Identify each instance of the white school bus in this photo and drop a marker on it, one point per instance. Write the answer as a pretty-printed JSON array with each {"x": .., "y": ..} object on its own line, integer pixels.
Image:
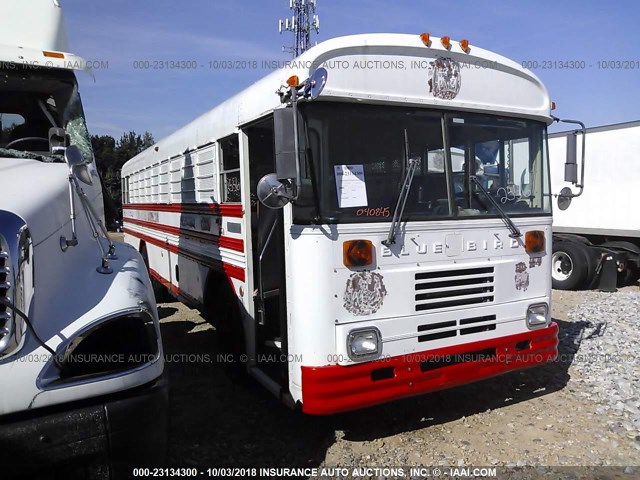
[{"x": 370, "y": 222}]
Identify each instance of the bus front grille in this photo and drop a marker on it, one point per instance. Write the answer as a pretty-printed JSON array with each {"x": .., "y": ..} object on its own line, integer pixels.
[
  {"x": 453, "y": 328},
  {"x": 454, "y": 288}
]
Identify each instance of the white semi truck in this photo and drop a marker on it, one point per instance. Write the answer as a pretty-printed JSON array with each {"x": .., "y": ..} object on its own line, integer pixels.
[
  {"x": 81, "y": 364},
  {"x": 596, "y": 236}
]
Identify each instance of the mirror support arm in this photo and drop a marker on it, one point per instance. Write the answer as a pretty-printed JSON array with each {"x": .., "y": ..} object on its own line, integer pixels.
[
  {"x": 64, "y": 242},
  {"x": 583, "y": 130},
  {"x": 296, "y": 141},
  {"x": 272, "y": 191}
]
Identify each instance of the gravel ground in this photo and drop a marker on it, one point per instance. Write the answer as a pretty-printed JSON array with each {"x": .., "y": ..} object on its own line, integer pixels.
[
  {"x": 582, "y": 410},
  {"x": 606, "y": 362}
]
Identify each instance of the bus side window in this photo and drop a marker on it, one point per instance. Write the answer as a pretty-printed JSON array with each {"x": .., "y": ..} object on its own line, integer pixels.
[
  {"x": 230, "y": 169},
  {"x": 125, "y": 190}
]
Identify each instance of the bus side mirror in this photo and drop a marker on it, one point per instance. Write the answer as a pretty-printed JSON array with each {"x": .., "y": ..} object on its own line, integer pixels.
[
  {"x": 571, "y": 163},
  {"x": 285, "y": 151}
]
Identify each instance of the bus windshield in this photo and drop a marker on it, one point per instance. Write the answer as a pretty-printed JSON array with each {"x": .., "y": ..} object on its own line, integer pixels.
[{"x": 357, "y": 156}]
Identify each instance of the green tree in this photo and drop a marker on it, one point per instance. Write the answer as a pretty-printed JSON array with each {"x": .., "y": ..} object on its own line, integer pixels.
[{"x": 110, "y": 156}]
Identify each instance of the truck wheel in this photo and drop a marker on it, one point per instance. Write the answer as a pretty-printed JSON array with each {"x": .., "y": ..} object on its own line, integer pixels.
[
  {"x": 569, "y": 266},
  {"x": 628, "y": 276},
  {"x": 630, "y": 255}
]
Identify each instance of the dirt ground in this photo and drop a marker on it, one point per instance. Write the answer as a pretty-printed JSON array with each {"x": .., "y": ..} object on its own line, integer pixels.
[{"x": 533, "y": 417}]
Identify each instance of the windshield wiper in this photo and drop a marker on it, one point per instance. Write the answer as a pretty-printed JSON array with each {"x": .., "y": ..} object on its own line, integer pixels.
[
  {"x": 412, "y": 164},
  {"x": 515, "y": 232}
]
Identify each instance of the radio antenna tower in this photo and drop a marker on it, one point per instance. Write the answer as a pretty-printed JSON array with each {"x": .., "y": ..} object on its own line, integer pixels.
[{"x": 303, "y": 21}]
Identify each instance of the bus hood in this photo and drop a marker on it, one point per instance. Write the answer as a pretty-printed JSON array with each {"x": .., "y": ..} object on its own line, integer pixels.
[{"x": 38, "y": 192}]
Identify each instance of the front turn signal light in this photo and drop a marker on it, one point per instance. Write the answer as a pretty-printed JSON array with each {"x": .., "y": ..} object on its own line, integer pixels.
[
  {"x": 357, "y": 253},
  {"x": 534, "y": 241},
  {"x": 293, "y": 81}
]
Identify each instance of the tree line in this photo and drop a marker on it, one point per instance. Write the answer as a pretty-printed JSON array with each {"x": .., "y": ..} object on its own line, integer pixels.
[{"x": 111, "y": 155}]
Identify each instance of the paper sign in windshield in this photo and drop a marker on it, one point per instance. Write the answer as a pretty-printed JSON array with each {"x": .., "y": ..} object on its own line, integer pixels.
[{"x": 350, "y": 185}]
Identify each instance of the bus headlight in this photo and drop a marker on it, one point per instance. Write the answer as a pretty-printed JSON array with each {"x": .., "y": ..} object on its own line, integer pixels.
[
  {"x": 537, "y": 315},
  {"x": 364, "y": 344}
]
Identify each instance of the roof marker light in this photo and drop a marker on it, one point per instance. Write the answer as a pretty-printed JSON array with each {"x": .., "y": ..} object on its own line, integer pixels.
[
  {"x": 464, "y": 45},
  {"x": 426, "y": 39},
  {"x": 446, "y": 42}
]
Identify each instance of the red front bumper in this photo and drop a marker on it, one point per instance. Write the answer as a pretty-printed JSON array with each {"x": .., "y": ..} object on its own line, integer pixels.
[{"x": 335, "y": 388}]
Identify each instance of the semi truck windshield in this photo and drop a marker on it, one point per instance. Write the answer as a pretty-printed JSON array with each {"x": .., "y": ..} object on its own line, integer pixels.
[{"x": 33, "y": 100}]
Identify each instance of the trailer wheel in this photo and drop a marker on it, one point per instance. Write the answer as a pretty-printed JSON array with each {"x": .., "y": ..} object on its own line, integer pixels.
[{"x": 569, "y": 265}]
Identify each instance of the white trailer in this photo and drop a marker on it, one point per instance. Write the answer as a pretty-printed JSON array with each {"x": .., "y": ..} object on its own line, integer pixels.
[
  {"x": 404, "y": 243},
  {"x": 600, "y": 229},
  {"x": 81, "y": 365}
]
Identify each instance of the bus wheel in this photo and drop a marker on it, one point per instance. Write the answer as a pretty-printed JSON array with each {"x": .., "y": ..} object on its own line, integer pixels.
[
  {"x": 225, "y": 314},
  {"x": 569, "y": 265}
]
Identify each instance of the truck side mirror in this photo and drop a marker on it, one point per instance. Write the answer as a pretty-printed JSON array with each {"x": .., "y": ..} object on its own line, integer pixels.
[
  {"x": 77, "y": 164},
  {"x": 57, "y": 140},
  {"x": 571, "y": 163},
  {"x": 285, "y": 148}
]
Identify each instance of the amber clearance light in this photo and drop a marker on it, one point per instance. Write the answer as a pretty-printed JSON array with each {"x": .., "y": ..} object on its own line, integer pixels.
[
  {"x": 357, "y": 253},
  {"x": 293, "y": 81},
  {"x": 53, "y": 54},
  {"x": 534, "y": 241}
]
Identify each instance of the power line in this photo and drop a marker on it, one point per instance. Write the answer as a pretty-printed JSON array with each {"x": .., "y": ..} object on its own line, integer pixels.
[{"x": 303, "y": 21}]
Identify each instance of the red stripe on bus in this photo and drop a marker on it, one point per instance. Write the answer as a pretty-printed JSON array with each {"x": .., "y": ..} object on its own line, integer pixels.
[
  {"x": 224, "y": 209},
  {"x": 176, "y": 291},
  {"x": 236, "y": 244},
  {"x": 166, "y": 283},
  {"x": 227, "y": 268}
]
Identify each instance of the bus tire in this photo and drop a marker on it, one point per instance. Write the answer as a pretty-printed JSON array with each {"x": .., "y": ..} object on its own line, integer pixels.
[
  {"x": 570, "y": 265},
  {"x": 224, "y": 313}
]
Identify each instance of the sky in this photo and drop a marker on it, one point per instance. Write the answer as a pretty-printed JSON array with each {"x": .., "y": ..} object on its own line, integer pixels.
[{"x": 121, "y": 37}]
